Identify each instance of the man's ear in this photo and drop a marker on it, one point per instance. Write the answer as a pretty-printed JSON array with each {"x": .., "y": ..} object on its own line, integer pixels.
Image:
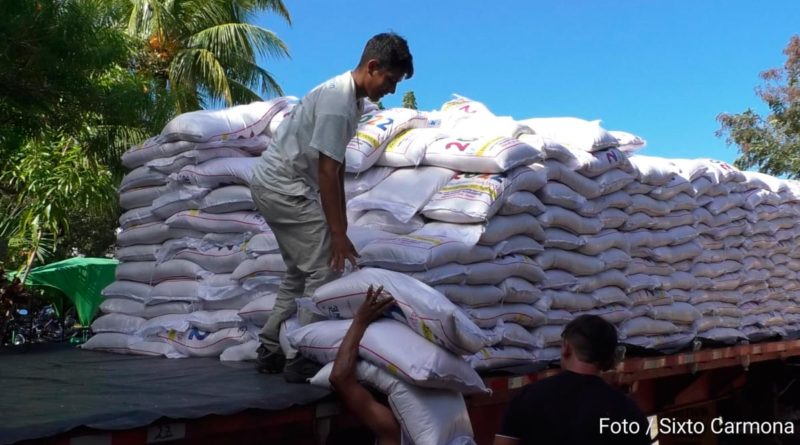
[
  {"x": 372, "y": 65},
  {"x": 566, "y": 349}
]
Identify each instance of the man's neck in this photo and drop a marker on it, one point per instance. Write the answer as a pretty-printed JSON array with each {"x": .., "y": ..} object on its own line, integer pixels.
[
  {"x": 580, "y": 367},
  {"x": 358, "y": 80}
]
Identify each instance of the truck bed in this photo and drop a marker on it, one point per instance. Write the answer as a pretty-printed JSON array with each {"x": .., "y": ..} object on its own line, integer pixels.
[{"x": 54, "y": 388}]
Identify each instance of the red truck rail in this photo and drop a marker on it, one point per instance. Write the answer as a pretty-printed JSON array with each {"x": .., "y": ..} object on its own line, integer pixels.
[{"x": 658, "y": 384}]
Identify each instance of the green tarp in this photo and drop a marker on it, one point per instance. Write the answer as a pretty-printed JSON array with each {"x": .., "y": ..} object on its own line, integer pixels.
[{"x": 78, "y": 279}]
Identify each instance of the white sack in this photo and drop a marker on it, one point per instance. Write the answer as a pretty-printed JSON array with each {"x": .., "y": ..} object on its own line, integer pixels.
[
  {"x": 518, "y": 244},
  {"x": 197, "y": 343},
  {"x": 137, "y": 252},
  {"x": 429, "y": 365},
  {"x": 232, "y": 198},
  {"x": 517, "y": 290},
  {"x": 408, "y": 148},
  {"x": 488, "y": 154},
  {"x": 129, "y": 344},
  {"x": 140, "y": 197},
  {"x": 654, "y": 170},
  {"x": 242, "y": 352},
  {"x": 427, "y": 416},
  {"x": 127, "y": 289},
  {"x": 218, "y": 172},
  {"x": 193, "y": 157},
  {"x": 521, "y": 314},
  {"x": 628, "y": 142},
  {"x": 522, "y": 202},
  {"x": 499, "y": 357},
  {"x": 235, "y": 222},
  {"x": 238, "y": 122},
  {"x": 412, "y": 252},
  {"x": 140, "y": 215},
  {"x": 142, "y": 177},
  {"x": 217, "y": 260},
  {"x": 139, "y": 309},
  {"x": 386, "y": 222},
  {"x": 557, "y": 194},
  {"x": 404, "y": 192},
  {"x": 472, "y": 296},
  {"x": 358, "y": 183},
  {"x": 575, "y": 263},
  {"x": 270, "y": 265},
  {"x": 575, "y": 133},
  {"x": 423, "y": 308},
  {"x": 114, "y": 322},
  {"x": 177, "y": 198},
  {"x": 565, "y": 219},
  {"x": 374, "y": 131},
  {"x": 494, "y": 272},
  {"x": 153, "y": 233}
]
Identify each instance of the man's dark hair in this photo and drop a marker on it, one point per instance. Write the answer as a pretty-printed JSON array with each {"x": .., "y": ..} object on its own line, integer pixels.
[
  {"x": 593, "y": 339},
  {"x": 391, "y": 51}
]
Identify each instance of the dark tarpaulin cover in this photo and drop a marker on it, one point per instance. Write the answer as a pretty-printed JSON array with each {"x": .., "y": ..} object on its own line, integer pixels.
[{"x": 53, "y": 388}]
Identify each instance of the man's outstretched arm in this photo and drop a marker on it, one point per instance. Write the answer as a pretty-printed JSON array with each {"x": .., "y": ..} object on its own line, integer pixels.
[
  {"x": 353, "y": 395},
  {"x": 331, "y": 190}
]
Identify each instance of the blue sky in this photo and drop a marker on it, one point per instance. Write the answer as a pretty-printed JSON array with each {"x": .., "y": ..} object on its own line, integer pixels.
[{"x": 660, "y": 69}]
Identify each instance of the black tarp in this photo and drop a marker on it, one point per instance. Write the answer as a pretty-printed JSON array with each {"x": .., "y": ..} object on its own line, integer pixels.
[{"x": 50, "y": 389}]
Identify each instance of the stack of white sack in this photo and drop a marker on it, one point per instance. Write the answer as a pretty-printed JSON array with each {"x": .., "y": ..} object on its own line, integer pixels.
[
  {"x": 459, "y": 211},
  {"x": 520, "y": 232},
  {"x": 664, "y": 244},
  {"x": 585, "y": 255},
  {"x": 189, "y": 223},
  {"x": 769, "y": 272}
]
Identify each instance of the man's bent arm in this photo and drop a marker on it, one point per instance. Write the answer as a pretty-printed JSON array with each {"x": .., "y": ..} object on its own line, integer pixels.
[{"x": 353, "y": 395}]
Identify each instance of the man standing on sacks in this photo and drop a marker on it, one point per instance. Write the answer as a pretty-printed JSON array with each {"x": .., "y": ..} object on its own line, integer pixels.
[{"x": 298, "y": 186}]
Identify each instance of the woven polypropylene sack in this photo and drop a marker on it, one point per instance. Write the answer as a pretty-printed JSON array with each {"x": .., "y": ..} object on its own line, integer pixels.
[
  {"x": 492, "y": 154},
  {"x": 427, "y": 416},
  {"x": 575, "y": 133},
  {"x": 408, "y": 148},
  {"x": 404, "y": 192},
  {"x": 423, "y": 308},
  {"x": 412, "y": 252},
  {"x": 427, "y": 364},
  {"x": 241, "y": 121},
  {"x": 375, "y": 131}
]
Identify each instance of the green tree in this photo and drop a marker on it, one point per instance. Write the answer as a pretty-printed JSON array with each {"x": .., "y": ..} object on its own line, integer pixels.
[
  {"x": 203, "y": 52},
  {"x": 770, "y": 143},
  {"x": 82, "y": 80},
  {"x": 409, "y": 100},
  {"x": 68, "y": 106}
]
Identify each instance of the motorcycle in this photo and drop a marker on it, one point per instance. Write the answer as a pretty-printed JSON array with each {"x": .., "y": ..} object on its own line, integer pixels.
[{"x": 26, "y": 319}]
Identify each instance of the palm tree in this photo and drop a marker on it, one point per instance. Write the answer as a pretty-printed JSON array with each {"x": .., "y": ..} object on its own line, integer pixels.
[{"x": 204, "y": 51}]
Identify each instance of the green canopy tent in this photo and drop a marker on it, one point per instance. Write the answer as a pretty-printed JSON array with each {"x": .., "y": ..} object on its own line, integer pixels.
[{"x": 78, "y": 279}]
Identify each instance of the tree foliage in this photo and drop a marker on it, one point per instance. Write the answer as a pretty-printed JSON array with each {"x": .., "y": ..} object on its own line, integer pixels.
[
  {"x": 409, "y": 100},
  {"x": 82, "y": 80},
  {"x": 204, "y": 51},
  {"x": 771, "y": 143},
  {"x": 68, "y": 107}
]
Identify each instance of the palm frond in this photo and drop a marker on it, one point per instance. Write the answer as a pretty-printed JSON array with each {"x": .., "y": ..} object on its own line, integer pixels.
[
  {"x": 256, "y": 77},
  {"x": 239, "y": 39},
  {"x": 274, "y": 6},
  {"x": 201, "y": 68}
]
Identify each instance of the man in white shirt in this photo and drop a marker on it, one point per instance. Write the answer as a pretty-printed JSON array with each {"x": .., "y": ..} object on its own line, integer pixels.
[{"x": 298, "y": 186}]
